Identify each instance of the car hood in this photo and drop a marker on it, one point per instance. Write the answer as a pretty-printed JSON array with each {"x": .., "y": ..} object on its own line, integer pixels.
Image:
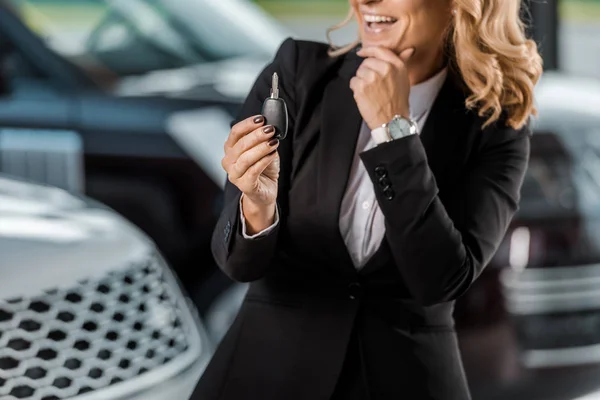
[
  {"x": 51, "y": 239},
  {"x": 224, "y": 80}
]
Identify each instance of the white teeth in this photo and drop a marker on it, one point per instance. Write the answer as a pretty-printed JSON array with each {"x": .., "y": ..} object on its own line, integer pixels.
[{"x": 378, "y": 18}]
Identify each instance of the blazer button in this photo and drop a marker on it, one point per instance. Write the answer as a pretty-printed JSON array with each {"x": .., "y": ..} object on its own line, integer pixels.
[
  {"x": 355, "y": 291},
  {"x": 380, "y": 171},
  {"x": 384, "y": 182},
  {"x": 388, "y": 193}
]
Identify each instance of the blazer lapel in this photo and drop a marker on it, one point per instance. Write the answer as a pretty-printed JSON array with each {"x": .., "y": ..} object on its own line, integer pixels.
[
  {"x": 445, "y": 124},
  {"x": 340, "y": 126}
]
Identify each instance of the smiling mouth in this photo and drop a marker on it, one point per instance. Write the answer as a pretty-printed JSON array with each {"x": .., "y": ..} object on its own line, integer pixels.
[{"x": 378, "y": 23}]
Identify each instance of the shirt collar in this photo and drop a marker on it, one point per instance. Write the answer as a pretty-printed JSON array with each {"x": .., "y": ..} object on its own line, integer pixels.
[{"x": 423, "y": 95}]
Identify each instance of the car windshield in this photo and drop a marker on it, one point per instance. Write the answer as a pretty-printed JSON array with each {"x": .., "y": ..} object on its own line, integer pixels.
[
  {"x": 564, "y": 173},
  {"x": 216, "y": 29},
  {"x": 138, "y": 36}
]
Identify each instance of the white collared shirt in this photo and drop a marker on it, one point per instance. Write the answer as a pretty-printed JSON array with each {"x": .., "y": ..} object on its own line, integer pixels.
[{"x": 361, "y": 223}]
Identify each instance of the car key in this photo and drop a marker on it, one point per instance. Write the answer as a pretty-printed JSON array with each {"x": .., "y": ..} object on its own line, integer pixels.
[{"x": 275, "y": 110}]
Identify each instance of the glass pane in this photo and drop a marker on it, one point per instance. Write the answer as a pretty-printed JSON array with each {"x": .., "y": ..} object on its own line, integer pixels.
[
  {"x": 563, "y": 177},
  {"x": 138, "y": 36}
]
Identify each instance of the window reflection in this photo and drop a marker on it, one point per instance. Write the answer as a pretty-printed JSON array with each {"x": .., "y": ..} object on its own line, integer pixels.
[
  {"x": 548, "y": 182},
  {"x": 563, "y": 175},
  {"x": 137, "y": 36}
]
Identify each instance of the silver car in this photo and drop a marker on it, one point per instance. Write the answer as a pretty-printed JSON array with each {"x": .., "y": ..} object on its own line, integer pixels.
[{"x": 88, "y": 307}]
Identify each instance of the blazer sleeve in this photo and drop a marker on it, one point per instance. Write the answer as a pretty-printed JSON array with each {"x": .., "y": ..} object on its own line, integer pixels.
[
  {"x": 439, "y": 248},
  {"x": 242, "y": 259}
]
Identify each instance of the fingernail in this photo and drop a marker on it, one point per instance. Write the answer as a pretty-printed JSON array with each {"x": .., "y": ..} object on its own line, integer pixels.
[
  {"x": 273, "y": 142},
  {"x": 259, "y": 119},
  {"x": 268, "y": 129}
]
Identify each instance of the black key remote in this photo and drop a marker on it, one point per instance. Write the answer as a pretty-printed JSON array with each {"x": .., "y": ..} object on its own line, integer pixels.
[{"x": 275, "y": 111}]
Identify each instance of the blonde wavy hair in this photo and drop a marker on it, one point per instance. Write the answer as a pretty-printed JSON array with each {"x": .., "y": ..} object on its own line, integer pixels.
[{"x": 486, "y": 44}]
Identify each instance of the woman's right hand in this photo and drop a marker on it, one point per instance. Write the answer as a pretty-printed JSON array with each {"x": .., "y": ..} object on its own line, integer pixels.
[{"x": 252, "y": 162}]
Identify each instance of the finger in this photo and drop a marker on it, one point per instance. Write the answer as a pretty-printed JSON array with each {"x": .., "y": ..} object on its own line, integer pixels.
[
  {"x": 251, "y": 157},
  {"x": 244, "y": 127},
  {"x": 381, "y": 53},
  {"x": 259, "y": 167},
  {"x": 366, "y": 74},
  {"x": 356, "y": 84},
  {"x": 382, "y": 68},
  {"x": 405, "y": 55},
  {"x": 260, "y": 135}
]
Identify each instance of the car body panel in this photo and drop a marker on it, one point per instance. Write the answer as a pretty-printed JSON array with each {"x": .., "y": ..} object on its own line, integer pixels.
[{"x": 69, "y": 236}]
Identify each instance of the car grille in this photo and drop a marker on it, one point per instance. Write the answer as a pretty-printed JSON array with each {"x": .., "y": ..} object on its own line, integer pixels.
[
  {"x": 108, "y": 334},
  {"x": 556, "y": 314}
]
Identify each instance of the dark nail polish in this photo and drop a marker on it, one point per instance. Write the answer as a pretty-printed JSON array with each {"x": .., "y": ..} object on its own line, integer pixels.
[
  {"x": 268, "y": 129},
  {"x": 259, "y": 119},
  {"x": 273, "y": 142}
]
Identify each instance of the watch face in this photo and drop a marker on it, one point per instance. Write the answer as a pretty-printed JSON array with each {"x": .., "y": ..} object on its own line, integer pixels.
[{"x": 400, "y": 127}]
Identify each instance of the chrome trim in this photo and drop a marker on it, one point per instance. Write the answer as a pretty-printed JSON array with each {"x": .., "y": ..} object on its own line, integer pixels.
[
  {"x": 547, "y": 290},
  {"x": 543, "y": 277},
  {"x": 526, "y": 305},
  {"x": 561, "y": 357},
  {"x": 555, "y": 288}
]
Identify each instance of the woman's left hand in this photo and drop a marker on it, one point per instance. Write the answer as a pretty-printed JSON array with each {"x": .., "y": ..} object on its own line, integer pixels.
[{"x": 381, "y": 85}]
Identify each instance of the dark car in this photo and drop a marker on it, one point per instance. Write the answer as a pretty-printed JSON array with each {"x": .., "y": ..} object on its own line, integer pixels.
[
  {"x": 530, "y": 327},
  {"x": 180, "y": 48},
  {"x": 150, "y": 155}
]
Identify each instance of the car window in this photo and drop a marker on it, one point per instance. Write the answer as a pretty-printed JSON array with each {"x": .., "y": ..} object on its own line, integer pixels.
[
  {"x": 220, "y": 33},
  {"x": 26, "y": 61},
  {"x": 138, "y": 36},
  {"x": 564, "y": 173},
  {"x": 19, "y": 75},
  {"x": 547, "y": 183}
]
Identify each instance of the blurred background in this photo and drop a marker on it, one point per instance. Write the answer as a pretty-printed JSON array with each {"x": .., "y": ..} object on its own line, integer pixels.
[{"x": 113, "y": 114}]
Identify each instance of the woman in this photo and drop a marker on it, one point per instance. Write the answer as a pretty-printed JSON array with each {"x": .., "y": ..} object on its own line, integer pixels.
[{"x": 397, "y": 181}]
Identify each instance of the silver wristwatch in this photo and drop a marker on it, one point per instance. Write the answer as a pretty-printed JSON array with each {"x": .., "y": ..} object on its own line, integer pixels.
[{"x": 397, "y": 128}]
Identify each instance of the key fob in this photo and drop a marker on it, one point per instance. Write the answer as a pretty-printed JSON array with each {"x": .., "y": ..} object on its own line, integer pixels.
[{"x": 275, "y": 113}]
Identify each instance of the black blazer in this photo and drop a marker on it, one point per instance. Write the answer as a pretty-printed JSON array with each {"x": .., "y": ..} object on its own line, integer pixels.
[{"x": 448, "y": 196}]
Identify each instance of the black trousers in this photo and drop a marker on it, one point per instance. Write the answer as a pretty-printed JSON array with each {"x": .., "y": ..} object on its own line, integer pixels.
[{"x": 353, "y": 381}]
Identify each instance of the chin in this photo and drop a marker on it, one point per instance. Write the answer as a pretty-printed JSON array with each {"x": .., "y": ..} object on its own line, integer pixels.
[
  {"x": 388, "y": 44},
  {"x": 388, "y": 40}
]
